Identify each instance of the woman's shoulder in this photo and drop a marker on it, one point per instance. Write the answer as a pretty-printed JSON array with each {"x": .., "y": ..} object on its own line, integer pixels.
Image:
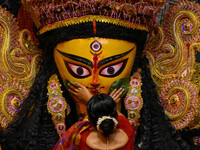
[
  {"x": 125, "y": 125},
  {"x": 123, "y": 121}
]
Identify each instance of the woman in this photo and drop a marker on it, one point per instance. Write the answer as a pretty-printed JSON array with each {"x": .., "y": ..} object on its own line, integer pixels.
[{"x": 107, "y": 128}]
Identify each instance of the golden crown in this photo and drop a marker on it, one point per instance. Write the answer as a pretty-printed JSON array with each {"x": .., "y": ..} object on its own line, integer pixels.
[{"x": 51, "y": 14}]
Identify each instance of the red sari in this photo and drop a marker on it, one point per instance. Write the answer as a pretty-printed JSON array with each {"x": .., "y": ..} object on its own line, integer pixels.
[{"x": 82, "y": 129}]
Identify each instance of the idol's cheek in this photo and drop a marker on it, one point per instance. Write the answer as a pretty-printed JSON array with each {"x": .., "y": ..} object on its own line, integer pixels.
[{"x": 105, "y": 89}]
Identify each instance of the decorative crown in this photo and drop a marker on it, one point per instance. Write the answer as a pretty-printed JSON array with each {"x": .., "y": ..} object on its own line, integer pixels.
[{"x": 51, "y": 14}]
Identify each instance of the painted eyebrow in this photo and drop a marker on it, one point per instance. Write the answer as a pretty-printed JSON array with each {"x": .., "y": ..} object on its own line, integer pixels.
[
  {"x": 112, "y": 58},
  {"x": 77, "y": 58}
]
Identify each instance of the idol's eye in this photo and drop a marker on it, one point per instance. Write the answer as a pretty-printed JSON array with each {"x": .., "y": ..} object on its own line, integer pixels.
[
  {"x": 77, "y": 71},
  {"x": 114, "y": 69}
]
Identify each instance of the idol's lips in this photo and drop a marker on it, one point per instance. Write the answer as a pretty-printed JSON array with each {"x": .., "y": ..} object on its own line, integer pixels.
[{"x": 95, "y": 90}]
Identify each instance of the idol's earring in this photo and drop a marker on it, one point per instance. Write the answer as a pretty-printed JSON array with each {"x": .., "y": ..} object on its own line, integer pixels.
[
  {"x": 134, "y": 101},
  {"x": 57, "y": 104}
]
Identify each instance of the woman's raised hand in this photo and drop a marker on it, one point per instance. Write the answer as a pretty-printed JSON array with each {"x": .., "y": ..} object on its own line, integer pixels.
[
  {"x": 79, "y": 93},
  {"x": 115, "y": 94}
]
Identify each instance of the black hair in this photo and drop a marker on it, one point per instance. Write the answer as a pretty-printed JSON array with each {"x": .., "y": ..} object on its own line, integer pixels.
[
  {"x": 37, "y": 130},
  {"x": 99, "y": 106}
]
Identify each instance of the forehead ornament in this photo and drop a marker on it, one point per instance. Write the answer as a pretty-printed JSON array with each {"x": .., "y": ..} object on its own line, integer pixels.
[{"x": 95, "y": 46}]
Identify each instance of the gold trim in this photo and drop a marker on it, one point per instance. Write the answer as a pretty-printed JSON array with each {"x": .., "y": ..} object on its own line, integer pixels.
[
  {"x": 89, "y": 18},
  {"x": 56, "y": 94},
  {"x": 135, "y": 85}
]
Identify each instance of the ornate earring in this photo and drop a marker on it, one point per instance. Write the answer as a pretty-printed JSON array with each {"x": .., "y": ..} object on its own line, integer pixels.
[
  {"x": 57, "y": 104},
  {"x": 134, "y": 101}
]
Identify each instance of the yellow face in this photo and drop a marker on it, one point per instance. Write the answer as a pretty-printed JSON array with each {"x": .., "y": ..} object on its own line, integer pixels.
[{"x": 95, "y": 62}]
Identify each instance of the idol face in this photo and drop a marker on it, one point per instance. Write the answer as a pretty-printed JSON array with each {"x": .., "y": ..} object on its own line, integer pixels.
[{"x": 95, "y": 62}]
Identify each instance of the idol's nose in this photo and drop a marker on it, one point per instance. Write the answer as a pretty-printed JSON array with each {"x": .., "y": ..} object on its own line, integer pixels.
[{"x": 95, "y": 82}]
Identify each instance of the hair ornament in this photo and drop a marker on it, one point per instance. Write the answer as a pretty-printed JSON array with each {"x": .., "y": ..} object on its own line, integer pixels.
[
  {"x": 50, "y": 14},
  {"x": 101, "y": 119}
]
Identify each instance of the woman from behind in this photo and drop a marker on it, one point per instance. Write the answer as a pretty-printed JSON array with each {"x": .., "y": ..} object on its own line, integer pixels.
[
  {"x": 111, "y": 129},
  {"x": 105, "y": 128}
]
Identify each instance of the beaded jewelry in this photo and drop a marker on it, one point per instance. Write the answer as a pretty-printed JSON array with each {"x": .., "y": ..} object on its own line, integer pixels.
[
  {"x": 134, "y": 101},
  {"x": 57, "y": 104}
]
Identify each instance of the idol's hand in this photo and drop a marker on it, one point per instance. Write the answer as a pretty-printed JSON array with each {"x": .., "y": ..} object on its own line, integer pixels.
[
  {"x": 115, "y": 94},
  {"x": 79, "y": 93}
]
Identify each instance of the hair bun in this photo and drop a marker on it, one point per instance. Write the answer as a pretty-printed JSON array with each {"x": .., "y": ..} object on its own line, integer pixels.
[{"x": 106, "y": 124}]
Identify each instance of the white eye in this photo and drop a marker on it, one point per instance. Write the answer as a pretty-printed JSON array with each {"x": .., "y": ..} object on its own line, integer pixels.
[
  {"x": 78, "y": 71},
  {"x": 113, "y": 70}
]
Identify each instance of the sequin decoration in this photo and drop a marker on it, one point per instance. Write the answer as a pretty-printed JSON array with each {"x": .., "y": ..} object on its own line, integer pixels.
[
  {"x": 12, "y": 95},
  {"x": 54, "y": 93},
  {"x": 172, "y": 51},
  {"x": 179, "y": 99},
  {"x": 196, "y": 140},
  {"x": 16, "y": 103},
  {"x": 59, "y": 117},
  {"x": 61, "y": 127},
  {"x": 57, "y": 104},
  {"x": 133, "y": 100},
  {"x": 53, "y": 85},
  {"x": 133, "y": 123},
  {"x": 186, "y": 27},
  {"x": 134, "y": 83},
  {"x": 132, "y": 114},
  {"x": 134, "y": 91},
  {"x": 19, "y": 64},
  {"x": 135, "y": 14}
]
